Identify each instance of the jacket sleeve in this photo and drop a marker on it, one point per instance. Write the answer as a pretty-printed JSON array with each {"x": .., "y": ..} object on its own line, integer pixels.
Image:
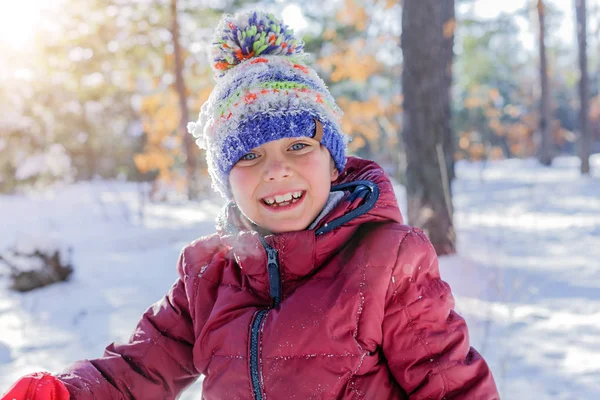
[
  {"x": 425, "y": 342},
  {"x": 156, "y": 363}
]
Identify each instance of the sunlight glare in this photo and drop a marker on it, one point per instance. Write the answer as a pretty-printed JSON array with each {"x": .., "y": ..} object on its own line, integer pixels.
[
  {"x": 20, "y": 20},
  {"x": 292, "y": 15}
]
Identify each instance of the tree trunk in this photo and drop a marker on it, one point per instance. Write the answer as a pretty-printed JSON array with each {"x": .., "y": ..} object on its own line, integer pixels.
[
  {"x": 545, "y": 150},
  {"x": 188, "y": 142},
  {"x": 584, "y": 94},
  {"x": 448, "y": 26},
  {"x": 424, "y": 82}
]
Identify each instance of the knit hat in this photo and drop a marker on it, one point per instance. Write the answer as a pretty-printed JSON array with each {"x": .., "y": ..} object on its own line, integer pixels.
[{"x": 265, "y": 91}]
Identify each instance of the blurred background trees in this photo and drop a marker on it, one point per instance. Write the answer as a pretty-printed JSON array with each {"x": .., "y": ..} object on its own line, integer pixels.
[
  {"x": 105, "y": 87},
  {"x": 584, "y": 90},
  {"x": 545, "y": 148}
]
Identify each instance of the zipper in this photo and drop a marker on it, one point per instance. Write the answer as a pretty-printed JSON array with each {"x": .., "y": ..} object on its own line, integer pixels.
[
  {"x": 259, "y": 317},
  {"x": 254, "y": 338}
]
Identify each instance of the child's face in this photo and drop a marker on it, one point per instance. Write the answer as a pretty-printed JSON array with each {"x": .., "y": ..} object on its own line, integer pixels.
[{"x": 282, "y": 185}]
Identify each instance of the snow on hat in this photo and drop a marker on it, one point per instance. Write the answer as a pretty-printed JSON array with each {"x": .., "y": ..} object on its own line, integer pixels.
[{"x": 265, "y": 91}]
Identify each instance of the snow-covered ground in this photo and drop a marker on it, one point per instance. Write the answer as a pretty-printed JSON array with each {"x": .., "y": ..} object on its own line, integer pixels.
[{"x": 526, "y": 277}]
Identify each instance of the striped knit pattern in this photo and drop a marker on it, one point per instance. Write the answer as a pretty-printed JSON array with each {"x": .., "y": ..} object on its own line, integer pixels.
[{"x": 264, "y": 91}]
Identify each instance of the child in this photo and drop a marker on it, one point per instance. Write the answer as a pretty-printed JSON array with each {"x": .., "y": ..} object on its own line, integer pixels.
[{"x": 312, "y": 288}]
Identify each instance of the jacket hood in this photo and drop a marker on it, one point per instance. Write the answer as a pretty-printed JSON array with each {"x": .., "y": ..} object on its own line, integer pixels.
[{"x": 368, "y": 198}]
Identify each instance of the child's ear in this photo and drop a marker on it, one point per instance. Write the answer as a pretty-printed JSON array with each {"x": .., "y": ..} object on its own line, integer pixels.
[{"x": 334, "y": 171}]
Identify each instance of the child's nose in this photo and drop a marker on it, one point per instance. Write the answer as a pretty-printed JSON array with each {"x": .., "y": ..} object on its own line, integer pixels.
[{"x": 276, "y": 170}]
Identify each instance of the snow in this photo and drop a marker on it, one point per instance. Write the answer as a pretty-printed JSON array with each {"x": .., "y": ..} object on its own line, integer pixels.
[
  {"x": 526, "y": 276},
  {"x": 54, "y": 162}
]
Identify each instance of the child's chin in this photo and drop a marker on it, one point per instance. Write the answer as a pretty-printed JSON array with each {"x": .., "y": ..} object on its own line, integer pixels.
[{"x": 287, "y": 227}]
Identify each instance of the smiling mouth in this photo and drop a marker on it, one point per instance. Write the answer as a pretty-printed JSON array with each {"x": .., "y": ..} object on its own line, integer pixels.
[{"x": 284, "y": 200}]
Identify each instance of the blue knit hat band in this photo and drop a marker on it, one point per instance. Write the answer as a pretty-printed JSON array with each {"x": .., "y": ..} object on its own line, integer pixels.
[{"x": 267, "y": 127}]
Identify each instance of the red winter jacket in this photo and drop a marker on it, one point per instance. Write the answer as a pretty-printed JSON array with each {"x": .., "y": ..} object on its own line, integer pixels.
[{"x": 353, "y": 309}]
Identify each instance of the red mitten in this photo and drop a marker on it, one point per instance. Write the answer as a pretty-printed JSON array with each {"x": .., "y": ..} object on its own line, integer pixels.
[{"x": 38, "y": 386}]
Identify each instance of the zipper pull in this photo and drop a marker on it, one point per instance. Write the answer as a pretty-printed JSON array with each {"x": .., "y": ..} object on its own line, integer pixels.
[{"x": 274, "y": 279}]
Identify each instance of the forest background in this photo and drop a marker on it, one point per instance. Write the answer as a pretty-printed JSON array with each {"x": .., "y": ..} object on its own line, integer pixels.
[{"x": 104, "y": 88}]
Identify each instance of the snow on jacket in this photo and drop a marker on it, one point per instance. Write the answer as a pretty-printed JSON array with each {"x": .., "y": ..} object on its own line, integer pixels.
[{"x": 353, "y": 309}]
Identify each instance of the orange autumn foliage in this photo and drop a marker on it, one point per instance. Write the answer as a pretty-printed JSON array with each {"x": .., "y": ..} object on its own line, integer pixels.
[
  {"x": 361, "y": 119},
  {"x": 160, "y": 119},
  {"x": 351, "y": 62},
  {"x": 353, "y": 13},
  {"x": 449, "y": 27},
  {"x": 516, "y": 126},
  {"x": 163, "y": 151}
]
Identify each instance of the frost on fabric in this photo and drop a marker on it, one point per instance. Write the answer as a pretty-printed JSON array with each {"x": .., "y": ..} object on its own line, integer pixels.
[{"x": 361, "y": 294}]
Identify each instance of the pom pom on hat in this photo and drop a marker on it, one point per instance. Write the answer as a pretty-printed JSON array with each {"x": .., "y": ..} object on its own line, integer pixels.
[{"x": 251, "y": 34}]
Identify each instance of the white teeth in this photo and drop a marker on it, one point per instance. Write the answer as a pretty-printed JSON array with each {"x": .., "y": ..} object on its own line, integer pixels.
[{"x": 284, "y": 199}]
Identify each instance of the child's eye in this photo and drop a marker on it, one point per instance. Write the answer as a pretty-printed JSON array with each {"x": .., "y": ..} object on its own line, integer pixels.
[
  {"x": 249, "y": 157},
  {"x": 298, "y": 146}
]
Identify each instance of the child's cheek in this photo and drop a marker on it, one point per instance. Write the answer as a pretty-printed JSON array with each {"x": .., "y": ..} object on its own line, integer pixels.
[
  {"x": 311, "y": 159},
  {"x": 240, "y": 178}
]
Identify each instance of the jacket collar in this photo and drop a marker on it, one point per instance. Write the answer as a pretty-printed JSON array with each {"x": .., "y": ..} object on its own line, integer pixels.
[{"x": 369, "y": 197}]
